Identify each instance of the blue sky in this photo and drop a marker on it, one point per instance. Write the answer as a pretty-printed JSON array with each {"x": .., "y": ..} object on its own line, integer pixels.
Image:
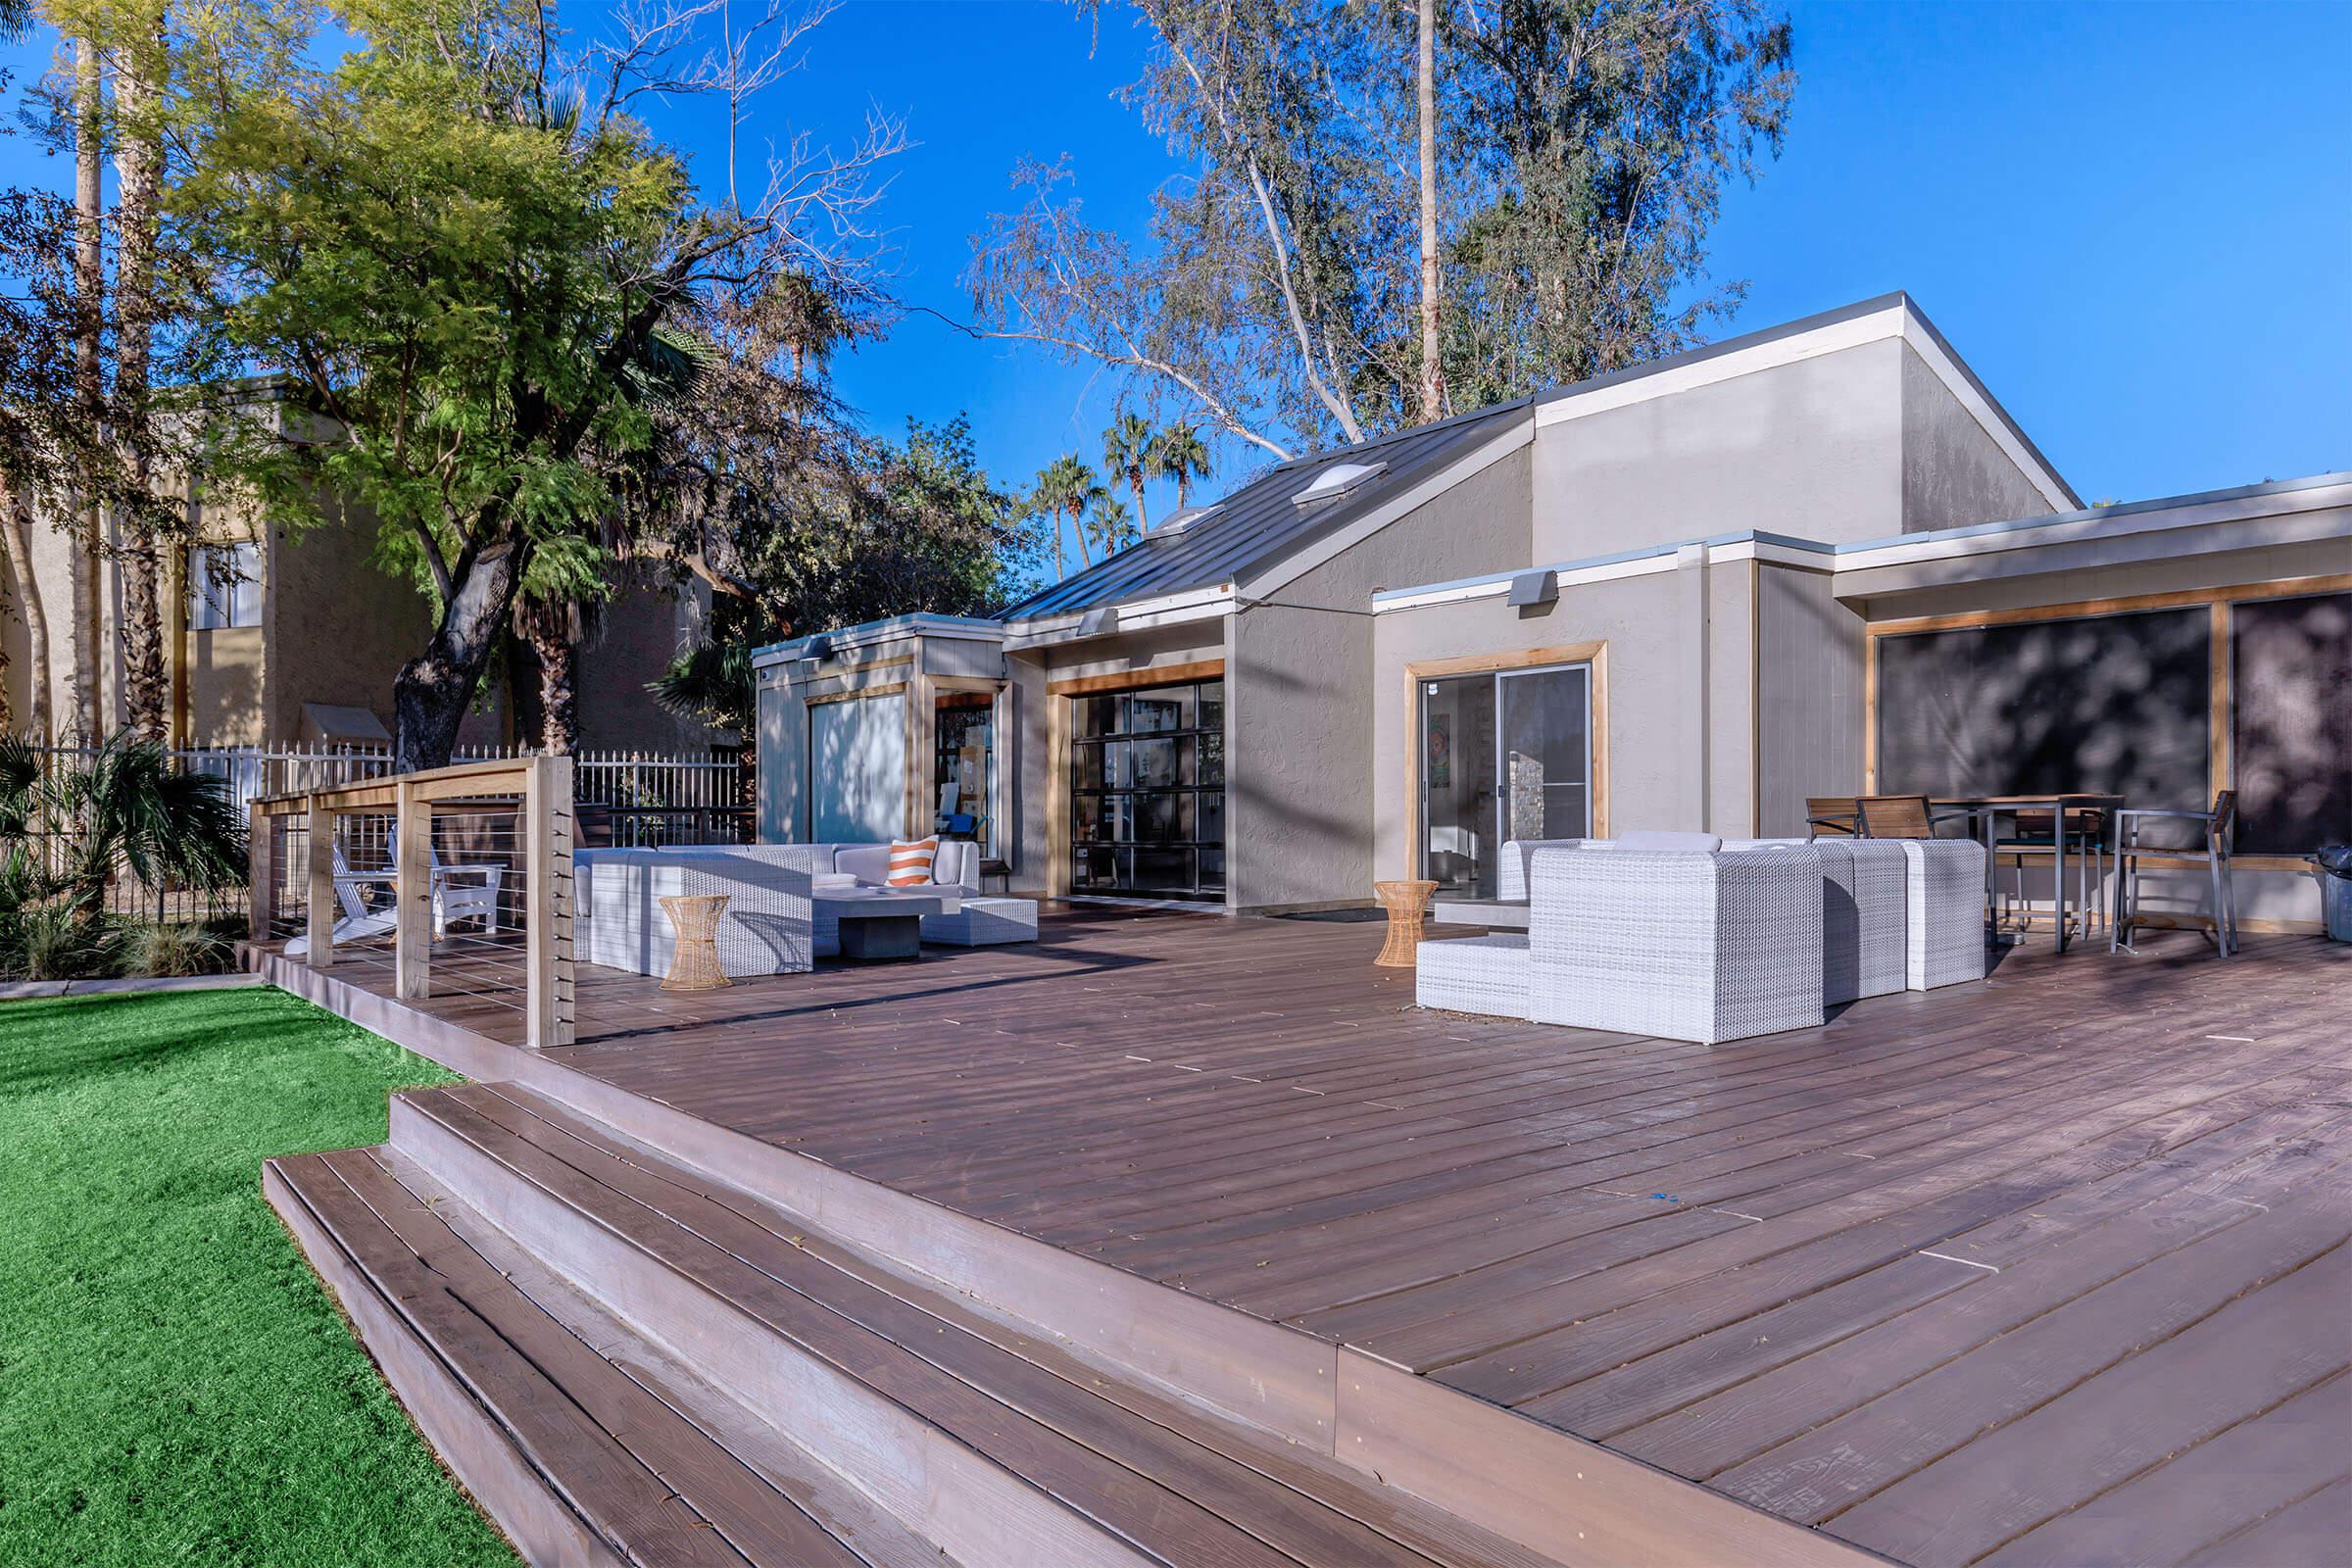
[{"x": 2134, "y": 220}]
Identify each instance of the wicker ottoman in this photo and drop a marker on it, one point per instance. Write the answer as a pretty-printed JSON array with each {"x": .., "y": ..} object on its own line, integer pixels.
[
  {"x": 1474, "y": 974},
  {"x": 1944, "y": 917},
  {"x": 984, "y": 922}
]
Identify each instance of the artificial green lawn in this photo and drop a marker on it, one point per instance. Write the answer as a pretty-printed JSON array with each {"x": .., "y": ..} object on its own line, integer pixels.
[{"x": 174, "y": 1385}]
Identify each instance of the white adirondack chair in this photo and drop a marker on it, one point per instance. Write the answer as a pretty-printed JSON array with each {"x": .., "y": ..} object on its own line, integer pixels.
[{"x": 459, "y": 893}]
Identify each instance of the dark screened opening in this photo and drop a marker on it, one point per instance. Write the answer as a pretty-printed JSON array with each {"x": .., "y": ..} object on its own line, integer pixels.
[
  {"x": 2291, "y": 729},
  {"x": 1148, "y": 791},
  {"x": 2109, "y": 704}
]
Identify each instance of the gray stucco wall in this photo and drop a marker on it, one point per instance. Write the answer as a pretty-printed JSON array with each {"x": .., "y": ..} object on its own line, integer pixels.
[
  {"x": 1954, "y": 472},
  {"x": 1677, "y": 752},
  {"x": 1812, "y": 449},
  {"x": 1301, "y": 756},
  {"x": 1809, "y": 649}
]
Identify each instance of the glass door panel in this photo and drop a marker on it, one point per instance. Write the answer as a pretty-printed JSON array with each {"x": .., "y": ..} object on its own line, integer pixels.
[
  {"x": 1546, "y": 755},
  {"x": 1458, "y": 785}
]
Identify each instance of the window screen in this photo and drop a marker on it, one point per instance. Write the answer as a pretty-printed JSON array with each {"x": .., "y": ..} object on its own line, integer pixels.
[
  {"x": 2112, "y": 703},
  {"x": 2292, "y": 736}
]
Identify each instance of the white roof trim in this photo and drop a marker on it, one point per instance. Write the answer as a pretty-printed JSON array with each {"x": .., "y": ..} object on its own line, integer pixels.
[
  {"x": 1141, "y": 614},
  {"x": 1897, "y": 321}
]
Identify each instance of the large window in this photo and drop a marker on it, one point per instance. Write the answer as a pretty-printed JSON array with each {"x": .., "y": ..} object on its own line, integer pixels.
[
  {"x": 225, "y": 586},
  {"x": 1148, "y": 791},
  {"x": 1505, "y": 754}
]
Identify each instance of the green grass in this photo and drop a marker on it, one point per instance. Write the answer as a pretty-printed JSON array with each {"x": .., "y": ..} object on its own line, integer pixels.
[{"x": 174, "y": 1385}]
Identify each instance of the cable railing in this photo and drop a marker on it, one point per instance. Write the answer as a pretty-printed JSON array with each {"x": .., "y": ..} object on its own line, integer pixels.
[{"x": 449, "y": 883}]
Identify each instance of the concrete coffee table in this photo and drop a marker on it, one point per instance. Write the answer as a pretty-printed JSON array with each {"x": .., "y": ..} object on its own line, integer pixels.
[{"x": 883, "y": 923}]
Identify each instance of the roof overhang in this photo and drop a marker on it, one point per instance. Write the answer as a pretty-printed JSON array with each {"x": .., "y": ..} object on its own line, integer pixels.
[
  {"x": 849, "y": 640},
  {"x": 1134, "y": 616},
  {"x": 2293, "y": 511}
]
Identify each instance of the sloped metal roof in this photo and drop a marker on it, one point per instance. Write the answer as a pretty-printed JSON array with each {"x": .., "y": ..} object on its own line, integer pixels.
[{"x": 1261, "y": 523}]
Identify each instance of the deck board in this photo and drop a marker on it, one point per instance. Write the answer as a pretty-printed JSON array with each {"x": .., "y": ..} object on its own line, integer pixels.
[{"x": 1720, "y": 1260}]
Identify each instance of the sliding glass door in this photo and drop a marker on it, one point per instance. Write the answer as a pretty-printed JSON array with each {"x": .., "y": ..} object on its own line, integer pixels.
[{"x": 1504, "y": 754}]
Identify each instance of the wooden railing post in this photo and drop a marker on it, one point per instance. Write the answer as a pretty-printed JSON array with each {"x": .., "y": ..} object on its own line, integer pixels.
[
  {"x": 321, "y": 898},
  {"x": 411, "y": 894},
  {"x": 261, "y": 868},
  {"x": 547, "y": 907}
]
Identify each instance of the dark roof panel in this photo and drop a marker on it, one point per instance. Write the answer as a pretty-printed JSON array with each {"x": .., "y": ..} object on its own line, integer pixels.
[{"x": 1261, "y": 523}]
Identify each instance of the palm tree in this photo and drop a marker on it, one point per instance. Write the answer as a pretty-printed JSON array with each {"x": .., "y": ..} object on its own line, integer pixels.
[
  {"x": 1065, "y": 489},
  {"x": 65, "y": 829},
  {"x": 1177, "y": 453},
  {"x": 1127, "y": 454},
  {"x": 1112, "y": 525}
]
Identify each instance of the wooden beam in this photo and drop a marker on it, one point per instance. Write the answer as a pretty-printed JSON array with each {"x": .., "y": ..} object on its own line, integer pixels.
[
  {"x": 2082, "y": 609},
  {"x": 1478, "y": 663},
  {"x": 884, "y": 689},
  {"x": 1127, "y": 680},
  {"x": 2221, "y": 702},
  {"x": 543, "y": 906}
]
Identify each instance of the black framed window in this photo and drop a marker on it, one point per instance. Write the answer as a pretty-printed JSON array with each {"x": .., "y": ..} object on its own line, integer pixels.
[{"x": 1148, "y": 791}]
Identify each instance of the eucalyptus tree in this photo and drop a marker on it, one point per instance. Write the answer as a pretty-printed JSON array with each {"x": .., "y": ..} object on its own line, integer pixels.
[{"x": 1283, "y": 290}]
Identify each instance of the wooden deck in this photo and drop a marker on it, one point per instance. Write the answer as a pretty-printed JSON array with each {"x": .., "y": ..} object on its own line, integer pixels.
[{"x": 2047, "y": 1269}]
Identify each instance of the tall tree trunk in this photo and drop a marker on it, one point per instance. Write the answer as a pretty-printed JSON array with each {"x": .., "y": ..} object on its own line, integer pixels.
[
  {"x": 1060, "y": 574},
  {"x": 16, "y": 544},
  {"x": 1432, "y": 389},
  {"x": 430, "y": 695},
  {"x": 90, "y": 296},
  {"x": 139, "y": 169},
  {"x": 1135, "y": 482},
  {"x": 546, "y": 627}
]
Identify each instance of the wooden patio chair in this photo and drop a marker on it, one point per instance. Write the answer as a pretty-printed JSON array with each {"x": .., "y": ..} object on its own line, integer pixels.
[
  {"x": 1900, "y": 817},
  {"x": 1829, "y": 816},
  {"x": 2220, "y": 831}
]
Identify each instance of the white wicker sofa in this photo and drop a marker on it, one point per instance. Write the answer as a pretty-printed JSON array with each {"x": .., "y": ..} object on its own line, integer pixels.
[
  {"x": 617, "y": 919},
  {"x": 977, "y": 921}
]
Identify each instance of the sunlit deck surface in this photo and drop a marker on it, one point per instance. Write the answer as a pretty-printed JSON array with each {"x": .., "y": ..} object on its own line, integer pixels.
[{"x": 2051, "y": 1269}]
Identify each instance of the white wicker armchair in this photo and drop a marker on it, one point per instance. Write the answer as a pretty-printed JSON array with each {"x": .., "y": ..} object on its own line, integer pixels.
[
  {"x": 1684, "y": 945},
  {"x": 1864, "y": 909},
  {"x": 1944, "y": 920}
]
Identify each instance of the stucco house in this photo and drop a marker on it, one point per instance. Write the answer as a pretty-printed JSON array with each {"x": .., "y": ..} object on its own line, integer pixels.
[
  {"x": 277, "y": 638},
  {"x": 1817, "y": 559}
]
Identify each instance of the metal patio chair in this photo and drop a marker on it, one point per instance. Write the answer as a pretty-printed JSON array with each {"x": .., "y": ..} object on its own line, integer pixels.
[
  {"x": 1832, "y": 817},
  {"x": 2220, "y": 828},
  {"x": 1900, "y": 816}
]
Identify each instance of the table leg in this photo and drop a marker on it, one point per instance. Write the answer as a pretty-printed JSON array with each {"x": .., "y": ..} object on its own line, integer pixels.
[{"x": 2058, "y": 869}]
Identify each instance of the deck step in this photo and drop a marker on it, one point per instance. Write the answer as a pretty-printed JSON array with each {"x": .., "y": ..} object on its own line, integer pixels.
[
  {"x": 747, "y": 1340},
  {"x": 584, "y": 1446}
]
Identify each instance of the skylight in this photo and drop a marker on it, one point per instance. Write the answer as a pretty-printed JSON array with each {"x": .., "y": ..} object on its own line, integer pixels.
[
  {"x": 1335, "y": 480},
  {"x": 1183, "y": 519}
]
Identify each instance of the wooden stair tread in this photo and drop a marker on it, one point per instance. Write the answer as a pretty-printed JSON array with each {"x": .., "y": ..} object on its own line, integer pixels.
[
  {"x": 1172, "y": 1479},
  {"x": 654, "y": 1487}
]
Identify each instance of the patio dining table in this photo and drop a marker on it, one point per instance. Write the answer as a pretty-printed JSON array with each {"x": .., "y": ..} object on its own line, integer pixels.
[{"x": 1986, "y": 810}]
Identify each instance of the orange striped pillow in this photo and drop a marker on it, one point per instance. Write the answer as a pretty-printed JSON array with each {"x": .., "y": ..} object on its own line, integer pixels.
[{"x": 911, "y": 863}]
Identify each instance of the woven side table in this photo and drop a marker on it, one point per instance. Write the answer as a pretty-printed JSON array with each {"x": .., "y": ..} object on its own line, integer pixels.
[
  {"x": 1407, "y": 903},
  {"x": 694, "y": 960}
]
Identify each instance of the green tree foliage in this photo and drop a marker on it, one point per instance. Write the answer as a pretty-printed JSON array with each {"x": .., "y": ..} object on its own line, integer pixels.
[
  {"x": 1581, "y": 150},
  {"x": 1178, "y": 455},
  {"x": 480, "y": 275},
  {"x": 1127, "y": 454}
]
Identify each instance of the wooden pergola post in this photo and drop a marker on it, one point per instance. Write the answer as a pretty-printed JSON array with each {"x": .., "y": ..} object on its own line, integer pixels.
[
  {"x": 322, "y": 899},
  {"x": 411, "y": 894}
]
